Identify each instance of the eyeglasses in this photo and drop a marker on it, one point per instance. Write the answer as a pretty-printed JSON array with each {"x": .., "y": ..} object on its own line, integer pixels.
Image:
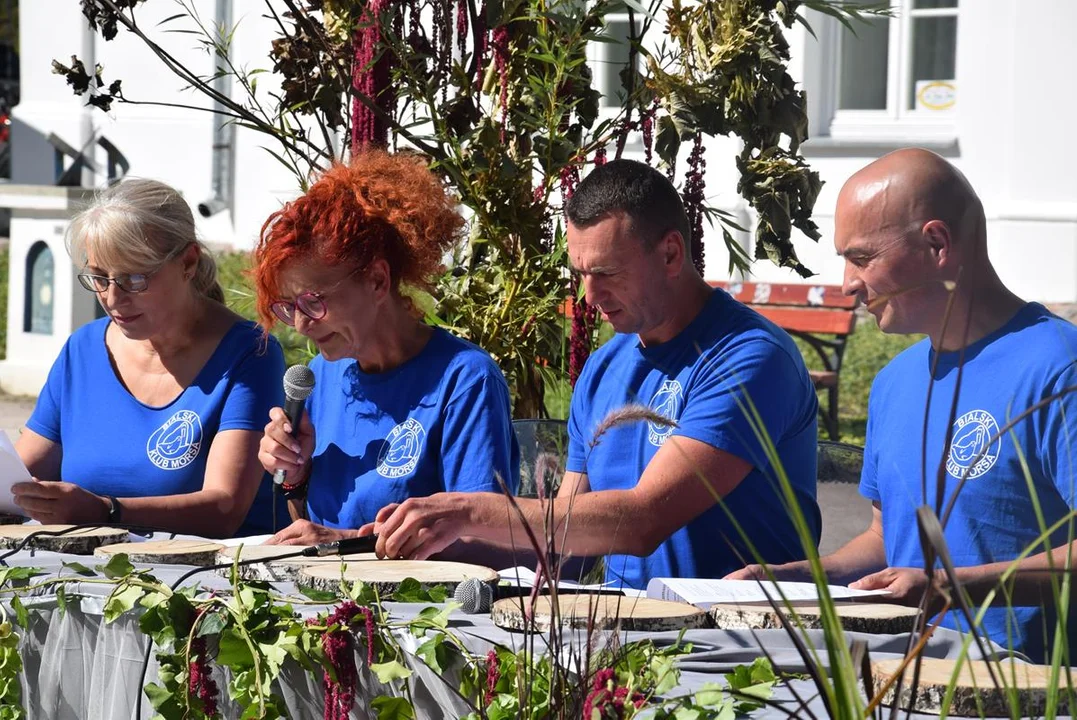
[
  {"x": 128, "y": 282},
  {"x": 311, "y": 304}
]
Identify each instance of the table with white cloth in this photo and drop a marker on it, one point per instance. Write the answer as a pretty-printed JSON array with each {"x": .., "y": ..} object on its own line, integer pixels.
[{"x": 78, "y": 667}]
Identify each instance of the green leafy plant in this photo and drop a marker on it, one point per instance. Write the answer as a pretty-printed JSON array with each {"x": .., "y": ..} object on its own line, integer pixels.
[{"x": 500, "y": 96}]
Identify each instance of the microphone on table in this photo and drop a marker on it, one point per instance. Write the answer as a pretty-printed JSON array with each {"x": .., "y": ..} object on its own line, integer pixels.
[
  {"x": 298, "y": 385},
  {"x": 474, "y": 596},
  {"x": 347, "y": 546}
]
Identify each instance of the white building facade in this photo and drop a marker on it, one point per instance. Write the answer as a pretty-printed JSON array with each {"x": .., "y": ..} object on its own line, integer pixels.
[{"x": 986, "y": 83}]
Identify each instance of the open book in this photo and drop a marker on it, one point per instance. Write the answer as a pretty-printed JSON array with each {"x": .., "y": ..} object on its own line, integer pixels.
[{"x": 703, "y": 592}]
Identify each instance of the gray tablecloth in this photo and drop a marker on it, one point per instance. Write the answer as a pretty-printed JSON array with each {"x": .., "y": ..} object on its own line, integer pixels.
[{"x": 79, "y": 667}]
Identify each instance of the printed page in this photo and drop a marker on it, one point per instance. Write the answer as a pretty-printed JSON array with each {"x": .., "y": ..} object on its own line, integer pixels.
[
  {"x": 704, "y": 592},
  {"x": 11, "y": 471}
]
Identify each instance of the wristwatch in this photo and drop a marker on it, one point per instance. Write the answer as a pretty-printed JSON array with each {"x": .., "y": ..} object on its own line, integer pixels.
[{"x": 115, "y": 510}]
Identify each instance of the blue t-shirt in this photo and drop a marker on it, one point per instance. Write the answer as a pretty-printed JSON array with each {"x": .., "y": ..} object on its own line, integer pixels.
[
  {"x": 440, "y": 421},
  {"x": 703, "y": 379},
  {"x": 115, "y": 445},
  {"x": 1028, "y": 359}
]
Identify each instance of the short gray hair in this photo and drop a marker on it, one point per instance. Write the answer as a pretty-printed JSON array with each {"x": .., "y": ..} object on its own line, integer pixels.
[{"x": 138, "y": 225}]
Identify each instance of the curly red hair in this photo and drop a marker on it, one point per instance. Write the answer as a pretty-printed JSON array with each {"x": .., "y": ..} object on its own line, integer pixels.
[{"x": 380, "y": 205}]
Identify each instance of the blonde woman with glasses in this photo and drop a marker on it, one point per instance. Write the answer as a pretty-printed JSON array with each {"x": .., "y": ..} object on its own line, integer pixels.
[{"x": 152, "y": 415}]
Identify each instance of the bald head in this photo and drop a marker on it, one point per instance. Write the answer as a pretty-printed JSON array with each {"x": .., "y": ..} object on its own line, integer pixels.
[{"x": 914, "y": 186}]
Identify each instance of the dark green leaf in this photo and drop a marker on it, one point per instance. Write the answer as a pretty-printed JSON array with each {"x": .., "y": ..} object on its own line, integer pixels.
[
  {"x": 392, "y": 708},
  {"x": 80, "y": 569},
  {"x": 22, "y": 617},
  {"x": 118, "y": 566},
  {"x": 211, "y": 624},
  {"x": 318, "y": 595}
]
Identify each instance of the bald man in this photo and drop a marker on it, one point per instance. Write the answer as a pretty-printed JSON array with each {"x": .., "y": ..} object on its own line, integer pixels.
[{"x": 913, "y": 235}]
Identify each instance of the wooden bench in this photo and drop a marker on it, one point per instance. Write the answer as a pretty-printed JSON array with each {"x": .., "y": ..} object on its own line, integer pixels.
[{"x": 821, "y": 315}]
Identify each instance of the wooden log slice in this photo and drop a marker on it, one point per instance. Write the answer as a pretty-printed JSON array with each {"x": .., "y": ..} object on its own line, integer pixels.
[
  {"x": 6, "y": 519},
  {"x": 602, "y": 612},
  {"x": 280, "y": 570},
  {"x": 875, "y": 618},
  {"x": 975, "y": 694},
  {"x": 77, "y": 542},
  {"x": 386, "y": 575},
  {"x": 165, "y": 552}
]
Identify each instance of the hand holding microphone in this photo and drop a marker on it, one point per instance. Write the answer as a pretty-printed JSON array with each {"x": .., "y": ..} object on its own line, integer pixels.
[{"x": 288, "y": 442}]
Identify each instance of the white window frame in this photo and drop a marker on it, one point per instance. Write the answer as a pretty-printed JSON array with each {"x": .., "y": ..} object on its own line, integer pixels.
[{"x": 896, "y": 123}]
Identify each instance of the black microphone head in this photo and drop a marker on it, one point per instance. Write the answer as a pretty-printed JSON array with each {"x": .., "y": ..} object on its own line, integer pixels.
[
  {"x": 474, "y": 596},
  {"x": 298, "y": 382}
]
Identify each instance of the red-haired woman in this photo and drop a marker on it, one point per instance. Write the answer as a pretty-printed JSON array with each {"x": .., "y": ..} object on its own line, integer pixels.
[{"x": 399, "y": 408}]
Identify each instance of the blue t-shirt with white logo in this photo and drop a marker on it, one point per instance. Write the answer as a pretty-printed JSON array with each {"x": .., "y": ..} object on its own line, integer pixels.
[
  {"x": 1027, "y": 360},
  {"x": 115, "y": 445},
  {"x": 704, "y": 379},
  {"x": 440, "y": 421}
]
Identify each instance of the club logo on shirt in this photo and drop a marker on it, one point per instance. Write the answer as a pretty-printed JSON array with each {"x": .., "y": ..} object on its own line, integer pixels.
[
  {"x": 667, "y": 402},
  {"x": 971, "y": 434},
  {"x": 400, "y": 453},
  {"x": 175, "y": 444}
]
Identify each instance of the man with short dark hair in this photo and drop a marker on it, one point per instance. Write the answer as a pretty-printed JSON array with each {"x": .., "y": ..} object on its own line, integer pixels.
[
  {"x": 646, "y": 493},
  {"x": 914, "y": 238}
]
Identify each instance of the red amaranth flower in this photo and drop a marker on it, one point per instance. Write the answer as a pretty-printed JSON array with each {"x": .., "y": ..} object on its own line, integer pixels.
[
  {"x": 200, "y": 683},
  {"x": 608, "y": 698},
  {"x": 500, "y": 44},
  {"x": 338, "y": 648},
  {"x": 493, "y": 674},
  {"x": 693, "y": 198},
  {"x": 371, "y": 79},
  {"x": 461, "y": 27},
  {"x": 600, "y": 156},
  {"x": 647, "y": 128}
]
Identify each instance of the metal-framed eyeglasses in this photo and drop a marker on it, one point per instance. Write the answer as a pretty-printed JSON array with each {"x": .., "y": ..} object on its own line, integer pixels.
[
  {"x": 128, "y": 282},
  {"x": 311, "y": 304}
]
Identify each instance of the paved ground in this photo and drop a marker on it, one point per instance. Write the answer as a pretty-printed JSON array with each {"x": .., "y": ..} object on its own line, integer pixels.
[{"x": 14, "y": 412}]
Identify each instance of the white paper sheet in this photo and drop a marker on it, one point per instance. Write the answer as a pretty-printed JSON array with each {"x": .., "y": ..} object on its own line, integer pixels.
[
  {"x": 249, "y": 540},
  {"x": 11, "y": 471},
  {"x": 703, "y": 592},
  {"x": 525, "y": 577}
]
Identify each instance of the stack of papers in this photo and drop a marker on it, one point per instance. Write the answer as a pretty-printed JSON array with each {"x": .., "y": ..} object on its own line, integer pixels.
[{"x": 11, "y": 471}]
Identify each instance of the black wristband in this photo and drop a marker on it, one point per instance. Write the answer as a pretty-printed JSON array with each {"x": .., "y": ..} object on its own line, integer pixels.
[{"x": 115, "y": 510}]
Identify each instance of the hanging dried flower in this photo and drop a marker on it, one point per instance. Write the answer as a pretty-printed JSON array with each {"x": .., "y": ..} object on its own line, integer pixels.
[
  {"x": 693, "y": 197},
  {"x": 371, "y": 79},
  {"x": 461, "y": 27},
  {"x": 647, "y": 128},
  {"x": 500, "y": 44}
]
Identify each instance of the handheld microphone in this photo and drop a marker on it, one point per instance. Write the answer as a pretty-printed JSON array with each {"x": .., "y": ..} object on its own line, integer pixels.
[
  {"x": 298, "y": 385},
  {"x": 347, "y": 546},
  {"x": 474, "y": 596}
]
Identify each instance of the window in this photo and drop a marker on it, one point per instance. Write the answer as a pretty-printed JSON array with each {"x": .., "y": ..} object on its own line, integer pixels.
[
  {"x": 39, "y": 289},
  {"x": 893, "y": 77}
]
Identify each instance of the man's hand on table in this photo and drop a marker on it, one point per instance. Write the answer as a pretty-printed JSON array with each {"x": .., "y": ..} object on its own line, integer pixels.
[
  {"x": 304, "y": 532},
  {"x": 420, "y": 526}
]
